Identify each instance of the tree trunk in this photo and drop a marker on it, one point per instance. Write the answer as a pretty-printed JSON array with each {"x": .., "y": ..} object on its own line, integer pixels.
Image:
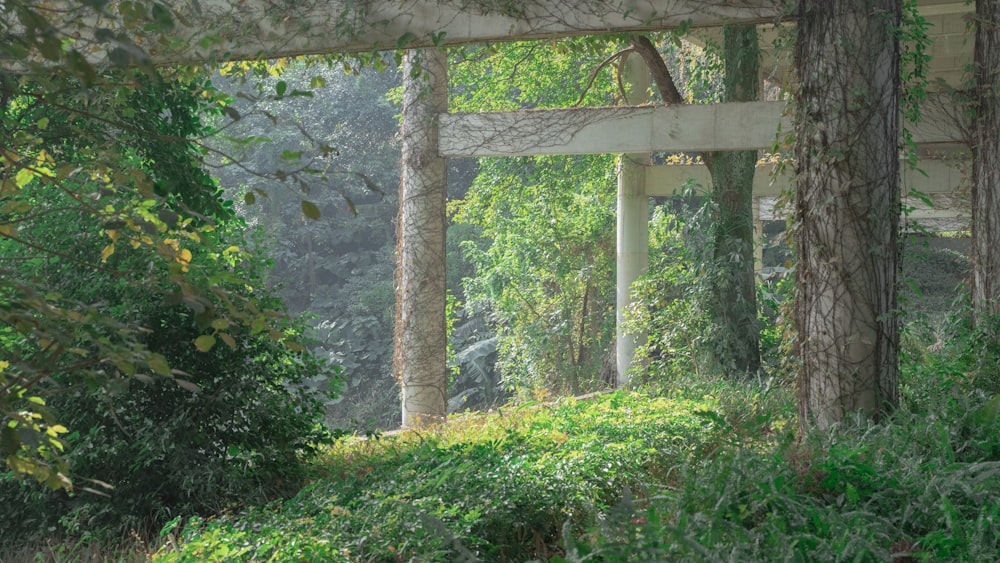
[
  {"x": 420, "y": 357},
  {"x": 733, "y": 303},
  {"x": 986, "y": 165},
  {"x": 733, "y": 297},
  {"x": 847, "y": 208}
]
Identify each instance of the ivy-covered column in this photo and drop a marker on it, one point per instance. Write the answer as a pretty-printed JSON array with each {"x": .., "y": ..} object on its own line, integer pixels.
[
  {"x": 420, "y": 357},
  {"x": 632, "y": 225},
  {"x": 847, "y": 209},
  {"x": 986, "y": 169}
]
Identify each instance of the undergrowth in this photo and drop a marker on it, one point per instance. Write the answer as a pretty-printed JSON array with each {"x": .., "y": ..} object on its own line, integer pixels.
[
  {"x": 712, "y": 470},
  {"x": 634, "y": 477},
  {"x": 494, "y": 487}
]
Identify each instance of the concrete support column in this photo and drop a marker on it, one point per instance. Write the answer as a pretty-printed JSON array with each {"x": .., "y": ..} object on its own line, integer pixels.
[
  {"x": 632, "y": 223},
  {"x": 420, "y": 356}
]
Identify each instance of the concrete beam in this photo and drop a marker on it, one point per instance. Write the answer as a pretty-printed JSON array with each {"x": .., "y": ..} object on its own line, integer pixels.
[
  {"x": 218, "y": 30},
  {"x": 946, "y": 212},
  {"x": 932, "y": 177},
  {"x": 637, "y": 129},
  {"x": 680, "y": 128}
]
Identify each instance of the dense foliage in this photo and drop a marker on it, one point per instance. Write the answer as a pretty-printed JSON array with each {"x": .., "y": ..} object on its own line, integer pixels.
[
  {"x": 147, "y": 370},
  {"x": 544, "y": 267},
  {"x": 145, "y": 348},
  {"x": 634, "y": 477},
  {"x": 100, "y": 159},
  {"x": 207, "y": 424}
]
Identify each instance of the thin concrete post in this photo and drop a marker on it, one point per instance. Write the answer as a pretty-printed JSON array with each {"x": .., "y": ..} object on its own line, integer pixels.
[
  {"x": 420, "y": 356},
  {"x": 632, "y": 224}
]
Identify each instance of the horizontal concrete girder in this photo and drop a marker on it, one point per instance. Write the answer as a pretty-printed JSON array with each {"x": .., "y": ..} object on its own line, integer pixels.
[
  {"x": 220, "y": 30},
  {"x": 637, "y": 129},
  {"x": 931, "y": 177},
  {"x": 946, "y": 212}
]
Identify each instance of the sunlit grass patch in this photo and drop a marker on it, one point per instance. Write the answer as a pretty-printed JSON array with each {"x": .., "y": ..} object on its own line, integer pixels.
[
  {"x": 627, "y": 476},
  {"x": 497, "y": 486}
]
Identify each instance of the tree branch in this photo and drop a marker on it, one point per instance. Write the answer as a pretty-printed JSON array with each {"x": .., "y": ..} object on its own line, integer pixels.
[{"x": 661, "y": 76}]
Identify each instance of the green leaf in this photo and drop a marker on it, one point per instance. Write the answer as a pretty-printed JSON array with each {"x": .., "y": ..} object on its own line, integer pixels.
[
  {"x": 120, "y": 57},
  {"x": 158, "y": 364},
  {"x": 9, "y": 442},
  {"x": 405, "y": 40},
  {"x": 281, "y": 87},
  {"x": 51, "y": 48},
  {"x": 104, "y": 35},
  {"x": 229, "y": 340},
  {"x": 23, "y": 176},
  {"x": 310, "y": 210},
  {"x": 162, "y": 16},
  {"x": 986, "y": 415},
  {"x": 168, "y": 217},
  {"x": 204, "y": 342}
]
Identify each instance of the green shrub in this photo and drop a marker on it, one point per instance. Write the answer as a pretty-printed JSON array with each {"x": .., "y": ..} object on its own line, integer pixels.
[
  {"x": 496, "y": 488},
  {"x": 922, "y": 486},
  {"x": 237, "y": 427},
  {"x": 169, "y": 363}
]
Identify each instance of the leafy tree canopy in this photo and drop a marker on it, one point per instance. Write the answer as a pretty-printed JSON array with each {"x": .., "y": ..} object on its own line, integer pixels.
[{"x": 102, "y": 186}]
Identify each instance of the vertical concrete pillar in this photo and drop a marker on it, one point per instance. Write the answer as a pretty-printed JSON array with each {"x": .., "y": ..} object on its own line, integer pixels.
[
  {"x": 632, "y": 223},
  {"x": 420, "y": 356}
]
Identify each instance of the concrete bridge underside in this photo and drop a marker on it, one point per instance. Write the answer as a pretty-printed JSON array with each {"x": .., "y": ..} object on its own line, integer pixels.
[{"x": 220, "y": 30}]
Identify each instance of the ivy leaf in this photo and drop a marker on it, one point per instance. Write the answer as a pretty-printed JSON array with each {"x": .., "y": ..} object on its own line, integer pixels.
[
  {"x": 229, "y": 340},
  {"x": 204, "y": 343},
  {"x": 169, "y": 217},
  {"x": 161, "y": 15},
  {"x": 158, "y": 364},
  {"x": 281, "y": 87},
  {"x": 310, "y": 210},
  {"x": 23, "y": 176},
  {"x": 405, "y": 40}
]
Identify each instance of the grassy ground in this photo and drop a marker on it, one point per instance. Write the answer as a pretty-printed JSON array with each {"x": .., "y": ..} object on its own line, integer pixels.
[{"x": 713, "y": 473}]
